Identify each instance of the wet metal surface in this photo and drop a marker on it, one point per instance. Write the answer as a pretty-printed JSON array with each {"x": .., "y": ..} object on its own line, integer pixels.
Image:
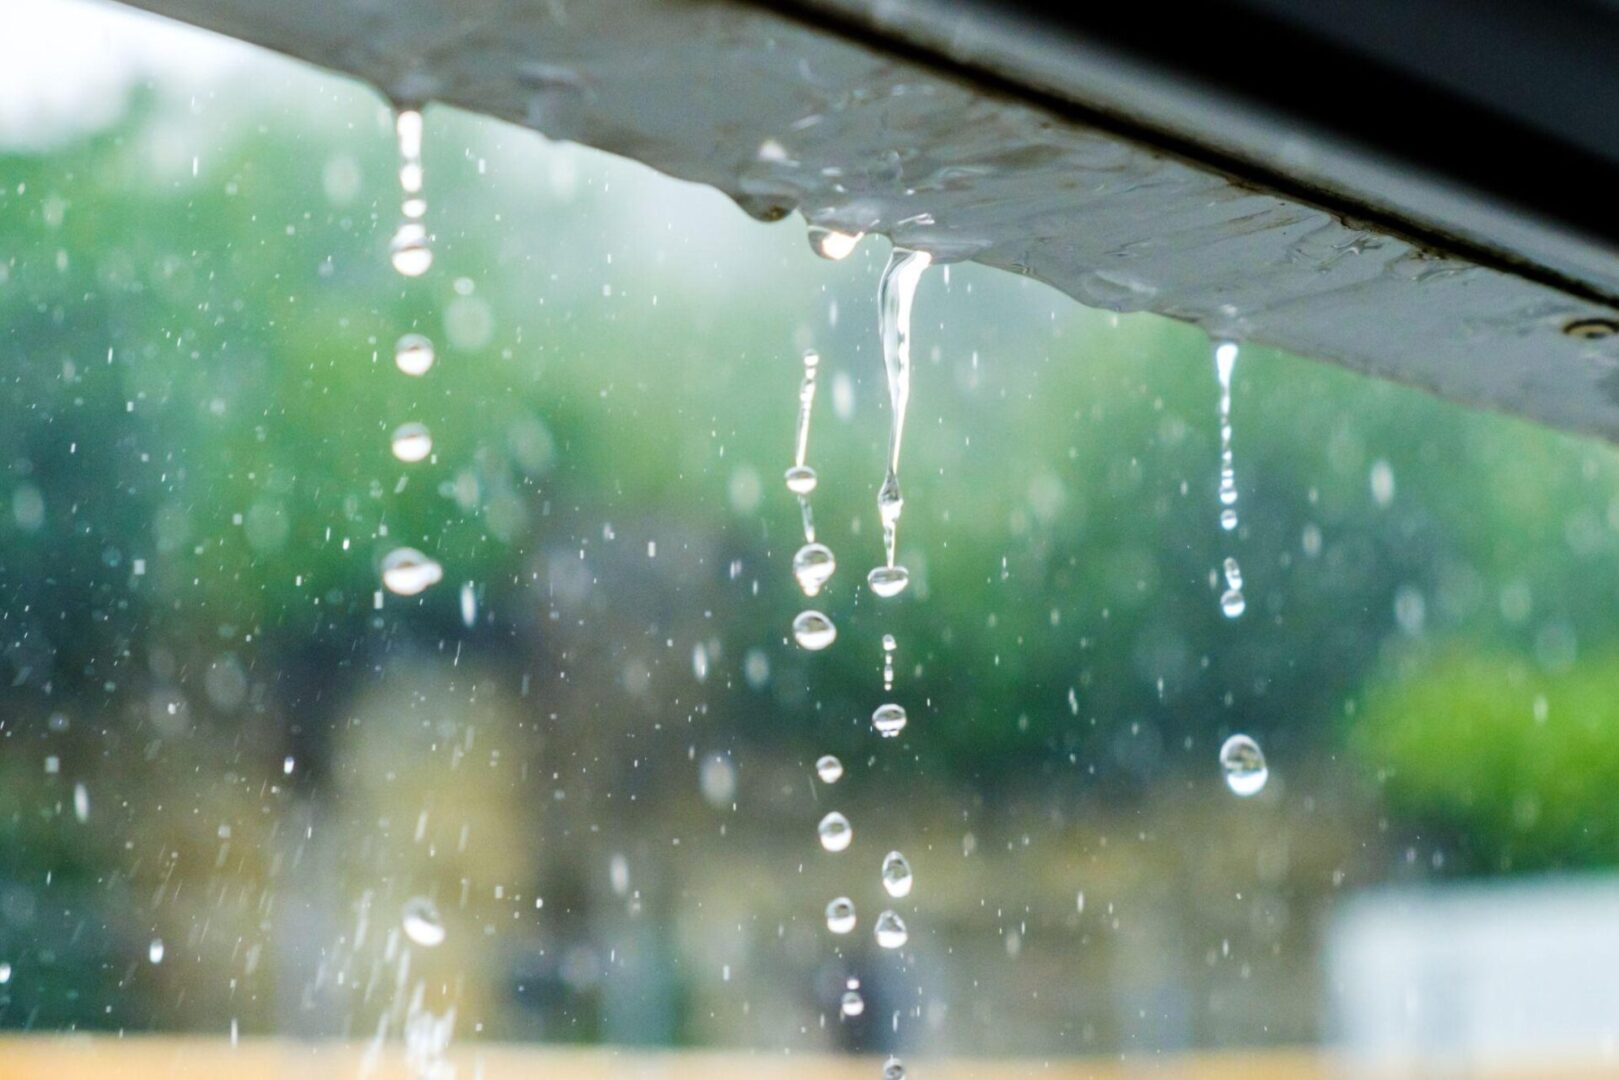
[{"x": 784, "y": 115}]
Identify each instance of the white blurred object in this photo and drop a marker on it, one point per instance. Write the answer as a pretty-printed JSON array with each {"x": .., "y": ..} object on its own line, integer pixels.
[{"x": 1454, "y": 980}]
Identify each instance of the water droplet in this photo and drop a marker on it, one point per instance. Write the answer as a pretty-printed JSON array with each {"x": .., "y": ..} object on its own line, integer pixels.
[
  {"x": 412, "y": 442},
  {"x": 1228, "y": 519},
  {"x": 832, "y": 244},
  {"x": 1244, "y": 765},
  {"x": 889, "y": 645},
  {"x": 852, "y": 1004},
  {"x": 81, "y": 802},
  {"x": 829, "y": 769},
  {"x": 406, "y": 572},
  {"x": 896, "y": 875},
  {"x": 1382, "y": 479},
  {"x": 840, "y": 916},
  {"x": 896, "y": 291},
  {"x": 421, "y": 921},
  {"x": 469, "y": 604},
  {"x": 806, "y": 403},
  {"x": 890, "y": 930},
  {"x": 287, "y": 765},
  {"x": 836, "y": 832},
  {"x": 154, "y": 951},
  {"x": 893, "y": 1069},
  {"x": 413, "y": 354},
  {"x": 1231, "y": 601},
  {"x": 888, "y": 581},
  {"x": 813, "y": 630},
  {"x": 5, "y": 974},
  {"x": 801, "y": 479},
  {"x": 813, "y": 566},
  {"x": 1225, "y": 362},
  {"x": 409, "y": 251},
  {"x": 889, "y": 719}
]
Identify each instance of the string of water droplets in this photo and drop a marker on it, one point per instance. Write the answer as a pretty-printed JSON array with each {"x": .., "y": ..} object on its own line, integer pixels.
[{"x": 1241, "y": 760}]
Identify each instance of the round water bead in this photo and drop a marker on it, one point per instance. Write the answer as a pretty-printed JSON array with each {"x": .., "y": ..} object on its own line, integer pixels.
[
  {"x": 412, "y": 442},
  {"x": 840, "y": 915},
  {"x": 413, "y": 354},
  {"x": 832, "y": 244},
  {"x": 889, "y": 720},
  {"x": 813, "y": 630},
  {"x": 812, "y": 566},
  {"x": 1228, "y": 519},
  {"x": 829, "y": 769},
  {"x": 891, "y": 932},
  {"x": 1244, "y": 765},
  {"x": 406, "y": 571},
  {"x": 893, "y": 1069},
  {"x": 409, "y": 251},
  {"x": 801, "y": 480},
  {"x": 422, "y": 923},
  {"x": 896, "y": 875},
  {"x": 836, "y": 832},
  {"x": 852, "y": 1004},
  {"x": 1232, "y": 603},
  {"x": 888, "y": 581}
]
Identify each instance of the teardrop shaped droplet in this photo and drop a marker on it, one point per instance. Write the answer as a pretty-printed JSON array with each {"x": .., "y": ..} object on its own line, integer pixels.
[
  {"x": 888, "y": 581},
  {"x": 409, "y": 251},
  {"x": 813, "y": 630},
  {"x": 836, "y": 832},
  {"x": 801, "y": 480},
  {"x": 890, "y": 930},
  {"x": 413, "y": 354},
  {"x": 406, "y": 571},
  {"x": 896, "y": 875},
  {"x": 840, "y": 916},
  {"x": 829, "y": 769},
  {"x": 422, "y": 922},
  {"x": 154, "y": 951},
  {"x": 832, "y": 244},
  {"x": 893, "y": 1069},
  {"x": 889, "y": 719},
  {"x": 813, "y": 566},
  {"x": 1244, "y": 765},
  {"x": 412, "y": 442}
]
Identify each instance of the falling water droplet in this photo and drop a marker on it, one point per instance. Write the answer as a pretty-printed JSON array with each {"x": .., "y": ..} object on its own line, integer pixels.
[
  {"x": 81, "y": 802},
  {"x": 889, "y": 719},
  {"x": 813, "y": 566},
  {"x": 840, "y": 916},
  {"x": 406, "y": 572},
  {"x": 1244, "y": 765},
  {"x": 287, "y": 765},
  {"x": 852, "y": 1004},
  {"x": 469, "y": 604},
  {"x": 1232, "y": 602},
  {"x": 412, "y": 442},
  {"x": 889, "y": 645},
  {"x": 888, "y": 581},
  {"x": 421, "y": 921},
  {"x": 413, "y": 354},
  {"x": 896, "y": 291},
  {"x": 409, "y": 251},
  {"x": 893, "y": 1069},
  {"x": 832, "y": 244},
  {"x": 836, "y": 832},
  {"x": 829, "y": 769},
  {"x": 801, "y": 479},
  {"x": 890, "y": 930},
  {"x": 896, "y": 875},
  {"x": 1225, "y": 362},
  {"x": 154, "y": 951},
  {"x": 5, "y": 974},
  {"x": 813, "y": 630}
]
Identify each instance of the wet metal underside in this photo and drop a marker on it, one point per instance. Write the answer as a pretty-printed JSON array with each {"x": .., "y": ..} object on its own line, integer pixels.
[{"x": 1069, "y": 153}]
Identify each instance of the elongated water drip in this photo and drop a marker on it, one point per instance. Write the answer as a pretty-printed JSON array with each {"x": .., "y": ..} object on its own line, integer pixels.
[
  {"x": 1225, "y": 363},
  {"x": 895, "y": 293},
  {"x": 410, "y": 251},
  {"x": 801, "y": 479},
  {"x": 889, "y": 645}
]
